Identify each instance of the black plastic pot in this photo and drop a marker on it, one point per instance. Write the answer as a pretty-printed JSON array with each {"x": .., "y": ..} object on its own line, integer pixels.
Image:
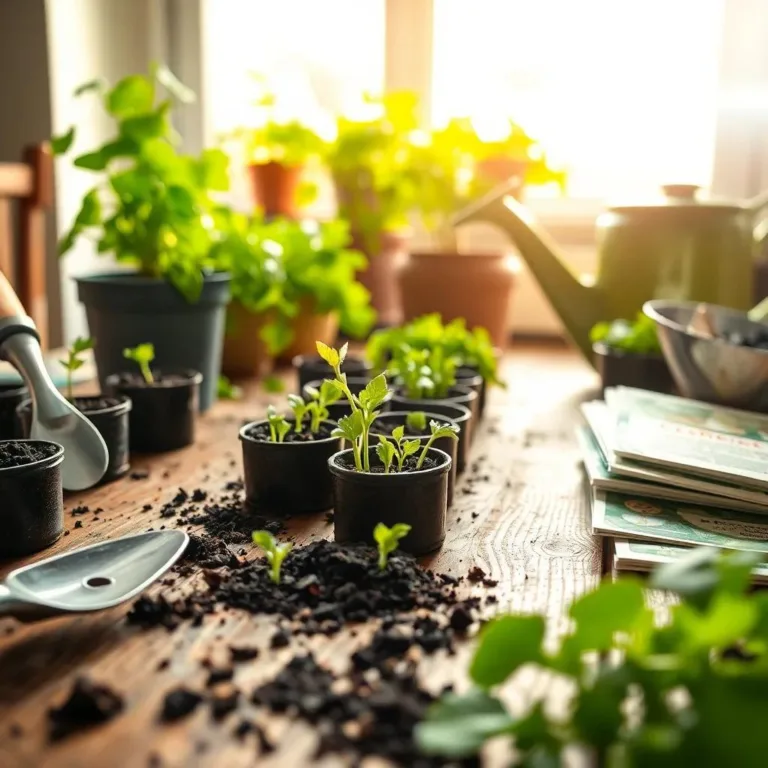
[
  {"x": 618, "y": 368},
  {"x": 457, "y": 394},
  {"x": 163, "y": 416},
  {"x": 111, "y": 422},
  {"x": 312, "y": 368},
  {"x": 445, "y": 444},
  {"x": 342, "y": 407},
  {"x": 33, "y": 504},
  {"x": 126, "y": 309},
  {"x": 11, "y": 397},
  {"x": 287, "y": 477},
  {"x": 363, "y": 499},
  {"x": 466, "y": 376}
]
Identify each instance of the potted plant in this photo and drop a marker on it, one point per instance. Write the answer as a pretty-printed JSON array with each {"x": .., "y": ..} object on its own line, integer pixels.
[
  {"x": 152, "y": 211},
  {"x": 165, "y": 402},
  {"x": 311, "y": 368},
  {"x": 109, "y": 415},
  {"x": 342, "y": 407},
  {"x": 285, "y": 461},
  {"x": 11, "y": 397},
  {"x": 416, "y": 426},
  {"x": 375, "y": 185},
  {"x": 397, "y": 480},
  {"x": 33, "y": 501},
  {"x": 629, "y": 354},
  {"x": 292, "y": 283}
]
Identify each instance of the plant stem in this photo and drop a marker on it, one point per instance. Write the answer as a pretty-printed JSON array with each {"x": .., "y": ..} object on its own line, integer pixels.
[
  {"x": 272, "y": 434},
  {"x": 366, "y": 458},
  {"x": 424, "y": 452},
  {"x": 382, "y": 561},
  {"x": 356, "y": 455},
  {"x": 69, "y": 384},
  {"x": 146, "y": 372}
]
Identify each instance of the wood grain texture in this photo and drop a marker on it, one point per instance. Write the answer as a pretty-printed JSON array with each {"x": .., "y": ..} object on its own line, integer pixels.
[{"x": 520, "y": 516}]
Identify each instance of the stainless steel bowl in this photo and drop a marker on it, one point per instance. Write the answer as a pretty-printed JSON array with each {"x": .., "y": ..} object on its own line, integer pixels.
[{"x": 712, "y": 369}]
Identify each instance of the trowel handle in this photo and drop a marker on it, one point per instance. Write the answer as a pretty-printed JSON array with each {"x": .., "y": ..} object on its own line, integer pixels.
[{"x": 10, "y": 306}]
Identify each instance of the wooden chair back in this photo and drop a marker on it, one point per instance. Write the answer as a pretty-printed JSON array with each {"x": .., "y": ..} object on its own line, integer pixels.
[{"x": 26, "y": 188}]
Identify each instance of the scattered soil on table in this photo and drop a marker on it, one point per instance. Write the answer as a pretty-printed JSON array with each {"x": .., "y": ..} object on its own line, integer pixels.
[
  {"x": 91, "y": 404},
  {"x": 139, "y": 474},
  {"x": 408, "y": 466},
  {"x": 179, "y": 703},
  {"x": 88, "y": 704},
  {"x": 136, "y": 380},
  {"x": 261, "y": 432},
  {"x": 15, "y": 453}
]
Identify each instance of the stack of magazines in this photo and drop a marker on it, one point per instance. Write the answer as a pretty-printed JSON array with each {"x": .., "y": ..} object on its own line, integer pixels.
[{"x": 667, "y": 473}]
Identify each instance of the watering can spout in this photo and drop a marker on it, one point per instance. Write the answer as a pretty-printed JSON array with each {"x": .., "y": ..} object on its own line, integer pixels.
[{"x": 578, "y": 305}]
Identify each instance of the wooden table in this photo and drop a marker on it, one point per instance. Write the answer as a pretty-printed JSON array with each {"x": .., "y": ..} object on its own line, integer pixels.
[{"x": 524, "y": 522}]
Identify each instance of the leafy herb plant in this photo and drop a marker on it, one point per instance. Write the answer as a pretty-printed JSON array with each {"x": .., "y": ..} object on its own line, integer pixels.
[
  {"x": 690, "y": 691},
  {"x": 387, "y": 540},
  {"x": 638, "y": 337},
  {"x": 279, "y": 426},
  {"x": 424, "y": 373},
  {"x": 142, "y": 355},
  {"x": 275, "y": 552},
  {"x": 152, "y": 207},
  {"x": 398, "y": 449},
  {"x": 416, "y": 420},
  {"x": 317, "y": 407},
  {"x": 75, "y": 360}
]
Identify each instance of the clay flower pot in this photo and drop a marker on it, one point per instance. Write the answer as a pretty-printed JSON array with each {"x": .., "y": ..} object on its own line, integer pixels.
[
  {"x": 475, "y": 286},
  {"x": 274, "y": 187}
]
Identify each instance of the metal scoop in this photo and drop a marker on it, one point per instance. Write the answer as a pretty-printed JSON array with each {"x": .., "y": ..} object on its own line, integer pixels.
[
  {"x": 92, "y": 578},
  {"x": 53, "y": 417}
]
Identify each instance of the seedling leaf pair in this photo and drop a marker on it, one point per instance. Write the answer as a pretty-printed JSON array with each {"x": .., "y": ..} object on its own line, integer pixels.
[
  {"x": 387, "y": 540},
  {"x": 279, "y": 427},
  {"x": 75, "y": 360},
  {"x": 142, "y": 355},
  {"x": 275, "y": 552}
]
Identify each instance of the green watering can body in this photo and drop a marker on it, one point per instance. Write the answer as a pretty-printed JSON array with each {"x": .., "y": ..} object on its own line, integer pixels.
[{"x": 682, "y": 248}]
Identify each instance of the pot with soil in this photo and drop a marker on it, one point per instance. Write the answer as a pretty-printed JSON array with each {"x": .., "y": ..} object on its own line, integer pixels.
[
  {"x": 31, "y": 490},
  {"x": 416, "y": 425},
  {"x": 341, "y": 407},
  {"x": 467, "y": 376},
  {"x": 165, "y": 403},
  {"x": 312, "y": 368},
  {"x": 11, "y": 397},
  {"x": 416, "y": 496}
]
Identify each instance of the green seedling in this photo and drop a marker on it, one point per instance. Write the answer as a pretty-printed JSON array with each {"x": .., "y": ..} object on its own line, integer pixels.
[
  {"x": 416, "y": 420},
  {"x": 74, "y": 359},
  {"x": 424, "y": 372},
  {"x": 226, "y": 390},
  {"x": 398, "y": 449},
  {"x": 142, "y": 355},
  {"x": 279, "y": 427},
  {"x": 319, "y": 400},
  {"x": 275, "y": 552},
  {"x": 437, "y": 431},
  {"x": 300, "y": 410},
  {"x": 356, "y": 427},
  {"x": 387, "y": 540}
]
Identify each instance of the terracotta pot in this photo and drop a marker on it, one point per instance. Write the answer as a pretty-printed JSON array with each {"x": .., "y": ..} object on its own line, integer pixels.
[
  {"x": 380, "y": 277},
  {"x": 475, "y": 286},
  {"x": 275, "y": 188},
  {"x": 246, "y": 354}
]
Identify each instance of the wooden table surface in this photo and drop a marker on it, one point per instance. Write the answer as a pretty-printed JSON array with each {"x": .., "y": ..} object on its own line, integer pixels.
[{"x": 522, "y": 518}]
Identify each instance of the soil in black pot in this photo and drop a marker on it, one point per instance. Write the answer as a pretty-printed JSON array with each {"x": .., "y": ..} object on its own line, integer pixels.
[
  {"x": 313, "y": 367},
  {"x": 261, "y": 432},
  {"x": 17, "y": 453},
  {"x": 11, "y": 397},
  {"x": 164, "y": 411}
]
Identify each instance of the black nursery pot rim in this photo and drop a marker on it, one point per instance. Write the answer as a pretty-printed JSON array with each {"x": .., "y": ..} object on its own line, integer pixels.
[
  {"x": 298, "y": 360},
  {"x": 123, "y": 405},
  {"x": 248, "y": 439},
  {"x": 441, "y": 417},
  {"x": 462, "y": 394},
  {"x": 387, "y": 479},
  {"x": 606, "y": 350},
  {"x": 189, "y": 376},
  {"x": 46, "y": 463}
]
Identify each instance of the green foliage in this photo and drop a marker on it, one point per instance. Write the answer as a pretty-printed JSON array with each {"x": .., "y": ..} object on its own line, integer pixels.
[
  {"x": 152, "y": 207},
  {"x": 142, "y": 355},
  {"x": 424, "y": 373},
  {"x": 289, "y": 143},
  {"x": 398, "y": 449},
  {"x": 275, "y": 552},
  {"x": 273, "y": 384},
  {"x": 356, "y": 427},
  {"x": 319, "y": 400},
  {"x": 75, "y": 360},
  {"x": 687, "y": 692},
  {"x": 279, "y": 426},
  {"x": 468, "y": 348},
  {"x": 387, "y": 540},
  {"x": 416, "y": 420},
  {"x": 226, "y": 390},
  {"x": 437, "y": 430},
  {"x": 639, "y": 337},
  {"x": 281, "y": 266}
]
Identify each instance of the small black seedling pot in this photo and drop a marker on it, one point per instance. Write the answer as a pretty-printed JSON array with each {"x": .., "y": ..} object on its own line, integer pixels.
[
  {"x": 467, "y": 376},
  {"x": 310, "y": 368},
  {"x": 384, "y": 424},
  {"x": 32, "y": 496},
  {"x": 110, "y": 417},
  {"x": 342, "y": 407},
  {"x": 418, "y": 498},
  {"x": 619, "y": 368},
  {"x": 11, "y": 397},
  {"x": 456, "y": 394},
  {"x": 287, "y": 477},
  {"x": 164, "y": 413}
]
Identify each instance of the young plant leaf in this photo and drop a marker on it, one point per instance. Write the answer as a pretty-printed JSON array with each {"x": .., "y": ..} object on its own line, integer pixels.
[
  {"x": 275, "y": 552},
  {"x": 278, "y": 426},
  {"x": 329, "y": 354},
  {"x": 375, "y": 393},
  {"x": 386, "y": 452},
  {"x": 142, "y": 355},
  {"x": 398, "y": 433},
  {"x": 410, "y": 447},
  {"x": 300, "y": 410},
  {"x": 387, "y": 540},
  {"x": 329, "y": 392},
  {"x": 349, "y": 427},
  {"x": 60, "y": 144},
  {"x": 416, "y": 420}
]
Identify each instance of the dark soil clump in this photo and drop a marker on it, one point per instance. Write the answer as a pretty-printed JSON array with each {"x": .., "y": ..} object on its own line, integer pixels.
[
  {"x": 179, "y": 703},
  {"x": 209, "y": 552},
  {"x": 88, "y": 704},
  {"x": 16, "y": 453},
  {"x": 261, "y": 432}
]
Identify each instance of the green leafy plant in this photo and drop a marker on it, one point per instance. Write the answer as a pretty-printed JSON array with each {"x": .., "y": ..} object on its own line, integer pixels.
[
  {"x": 274, "y": 552},
  {"x": 282, "y": 267},
  {"x": 638, "y": 337},
  {"x": 319, "y": 400},
  {"x": 142, "y": 355},
  {"x": 152, "y": 208},
  {"x": 690, "y": 691},
  {"x": 424, "y": 373},
  {"x": 75, "y": 360},
  {"x": 356, "y": 426},
  {"x": 398, "y": 449},
  {"x": 290, "y": 143},
  {"x": 387, "y": 540},
  {"x": 437, "y": 431},
  {"x": 226, "y": 390},
  {"x": 416, "y": 420},
  {"x": 279, "y": 426}
]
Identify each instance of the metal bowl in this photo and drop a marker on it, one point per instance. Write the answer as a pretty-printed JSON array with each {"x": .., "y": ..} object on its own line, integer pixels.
[{"x": 712, "y": 369}]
